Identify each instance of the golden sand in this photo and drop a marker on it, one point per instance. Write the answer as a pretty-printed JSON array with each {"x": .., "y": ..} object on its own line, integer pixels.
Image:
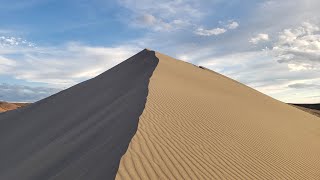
[{"x": 198, "y": 124}]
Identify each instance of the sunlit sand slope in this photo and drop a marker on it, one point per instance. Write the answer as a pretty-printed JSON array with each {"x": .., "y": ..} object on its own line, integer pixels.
[{"x": 198, "y": 124}]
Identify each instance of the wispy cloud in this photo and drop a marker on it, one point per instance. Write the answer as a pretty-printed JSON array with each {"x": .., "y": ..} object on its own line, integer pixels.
[
  {"x": 304, "y": 86},
  {"x": 209, "y": 32},
  {"x": 165, "y": 16},
  {"x": 260, "y": 70},
  {"x": 9, "y": 41},
  {"x": 158, "y": 24},
  {"x": 259, "y": 38},
  {"x": 233, "y": 25},
  {"x": 165, "y": 9},
  {"x": 216, "y": 31},
  {"x": 61, "y": 66}
]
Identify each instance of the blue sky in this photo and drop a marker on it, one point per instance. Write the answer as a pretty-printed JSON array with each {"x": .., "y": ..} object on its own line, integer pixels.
[{"x": 49, "y": 45}]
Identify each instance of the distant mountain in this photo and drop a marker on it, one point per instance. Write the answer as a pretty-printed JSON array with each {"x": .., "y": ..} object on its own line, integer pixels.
[
  {"x": 155, "y": 117},
  {"x": 310, "y": 108}
]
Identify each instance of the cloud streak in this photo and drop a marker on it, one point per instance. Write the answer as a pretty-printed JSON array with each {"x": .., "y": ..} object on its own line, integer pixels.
[
  {"x": 304, "y": 86},
  {"x": 259, "y": 38},
  {"x": 216, "y": 31},
  {"x": 9, "y": 41},
  {"x": 210, "y": 32},
  {"x": 61, "y": 66}
]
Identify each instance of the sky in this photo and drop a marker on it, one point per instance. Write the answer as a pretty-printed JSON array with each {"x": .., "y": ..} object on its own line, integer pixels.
[{"x": 272, "y": 46}]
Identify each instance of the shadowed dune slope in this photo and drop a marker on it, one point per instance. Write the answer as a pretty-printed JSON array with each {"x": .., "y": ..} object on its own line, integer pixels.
[
  {"x": 198, "y": 124},
  {"x": 79, "y": 133}
]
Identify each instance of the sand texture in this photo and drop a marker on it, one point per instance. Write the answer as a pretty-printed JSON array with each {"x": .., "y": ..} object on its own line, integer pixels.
[
  {"x": 198, "y": 124},
  {"x": 80, "y": 133}
]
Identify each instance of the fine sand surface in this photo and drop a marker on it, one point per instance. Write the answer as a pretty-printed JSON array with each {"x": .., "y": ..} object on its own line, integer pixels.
[
  {"x": 80, "y": 133},
  {"x": 198, "y": 124}
]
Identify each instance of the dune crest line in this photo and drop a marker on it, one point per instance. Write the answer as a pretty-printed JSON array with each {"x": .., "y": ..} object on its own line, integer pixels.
[
  {"x": 198, "y": 124},
  {"x": 79, "y": 133}
]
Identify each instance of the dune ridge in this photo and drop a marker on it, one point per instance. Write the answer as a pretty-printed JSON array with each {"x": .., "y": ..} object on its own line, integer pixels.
[{"x": 198, "y": 124}]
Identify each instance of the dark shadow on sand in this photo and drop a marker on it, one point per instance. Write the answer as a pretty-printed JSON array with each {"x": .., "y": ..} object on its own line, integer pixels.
[{"x": 79, "y": 133}]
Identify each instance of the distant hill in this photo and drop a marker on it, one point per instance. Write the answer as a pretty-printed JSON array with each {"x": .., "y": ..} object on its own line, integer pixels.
[
  {"x": 6, "y": 106},
  {"x": 310, "y": 108}
]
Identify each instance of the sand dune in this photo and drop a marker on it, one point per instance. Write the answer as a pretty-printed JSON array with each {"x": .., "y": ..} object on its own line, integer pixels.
[
  {"x": 154, "y": 117},
  {"x": 79, "y": 133},
  {"x": 198, "y": 124}
]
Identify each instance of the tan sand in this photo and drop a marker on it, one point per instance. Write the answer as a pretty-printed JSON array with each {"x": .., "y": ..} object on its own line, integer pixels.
[
  {"x": 5, "y": 106},
  {"x": 198, "y": 124}
]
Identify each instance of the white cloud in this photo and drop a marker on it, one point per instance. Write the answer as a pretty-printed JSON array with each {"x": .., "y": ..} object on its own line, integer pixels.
[
  {"x": 259, "y": 38},
  {"x": 216, "y": 31},
  {"x": 164, "y": 15},
  {"x": 7, "y": 41},
  {"x": 273, "y": 12},
  {"x": 62, "y": 66},
  {"x": 233, "y": 25},
  {"x": 168, "y": 15},
  {"x": 234, "y": 55},
  {"x": 299, "y": 47},
  {"x": 210, "y": 32},
  {"x": 299, "y": 67},
  {"x": 165, "y": 9},
  {"x": 260, "y": 70},
  {"x": 157, "y": 24},
  {"x": 6, "y": 64}
]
